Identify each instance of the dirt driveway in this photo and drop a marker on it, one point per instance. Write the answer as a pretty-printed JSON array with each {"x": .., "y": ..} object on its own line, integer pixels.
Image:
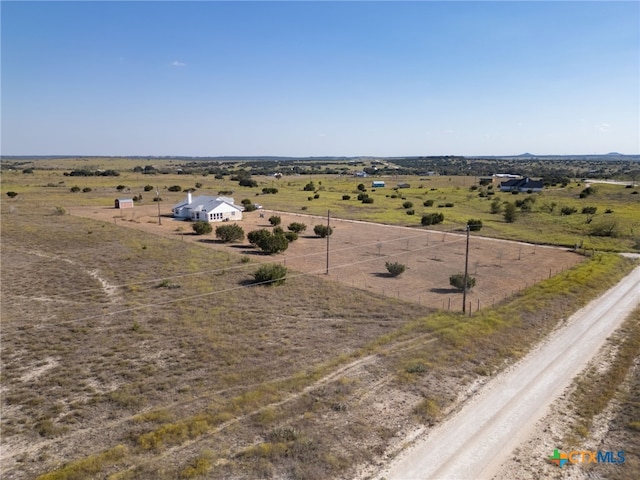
[{"x": 358, "y": 252}]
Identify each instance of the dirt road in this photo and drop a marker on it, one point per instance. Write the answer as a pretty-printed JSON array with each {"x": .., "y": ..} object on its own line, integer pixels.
[{"x": 480, "y": 436}]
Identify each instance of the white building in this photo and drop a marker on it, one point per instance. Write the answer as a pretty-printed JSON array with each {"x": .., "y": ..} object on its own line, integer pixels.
[{"x": 207, "y": 209}]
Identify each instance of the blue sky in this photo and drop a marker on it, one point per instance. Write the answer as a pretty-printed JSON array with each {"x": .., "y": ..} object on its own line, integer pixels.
[{"x": 320, "y": 78}]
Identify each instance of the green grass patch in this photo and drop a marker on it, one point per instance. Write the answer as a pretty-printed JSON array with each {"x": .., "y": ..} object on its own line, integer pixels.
[{"x": 87, "y": 467}]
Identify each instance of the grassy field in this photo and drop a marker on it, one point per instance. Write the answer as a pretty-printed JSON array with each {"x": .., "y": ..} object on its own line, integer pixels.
[
  {"x": 129, "y": 355},
  {"x": 543, "y": 223}
]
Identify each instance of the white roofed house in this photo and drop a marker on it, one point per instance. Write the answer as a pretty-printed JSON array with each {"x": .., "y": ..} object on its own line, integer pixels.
[{"x": 207, "y": 209}]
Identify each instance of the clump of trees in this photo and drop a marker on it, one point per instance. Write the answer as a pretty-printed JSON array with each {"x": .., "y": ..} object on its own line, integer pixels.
[
  {"x": 268, "y": 242},
  {"x": 230, "y": 233},
  {"x": 457, "y": 280}
]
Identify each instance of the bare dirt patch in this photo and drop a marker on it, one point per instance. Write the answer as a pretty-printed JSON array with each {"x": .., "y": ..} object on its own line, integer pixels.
[{"x": 358, "y": 252}]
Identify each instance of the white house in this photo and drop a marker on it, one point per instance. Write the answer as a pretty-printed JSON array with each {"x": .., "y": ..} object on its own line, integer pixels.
[{"x": 207, "y": 209}]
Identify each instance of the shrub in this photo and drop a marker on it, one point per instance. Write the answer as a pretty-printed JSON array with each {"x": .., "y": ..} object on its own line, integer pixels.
[
  {"x": 316, "y": 196},
  {"x": 272, "y": 274},
  {"x": 411, "y": 212},
  {"x": 496, "y": 206},
  {"x": 86, "y": 189},
  {"x": 510, "y": 212},
  {"x": 428, "y": 203},
  {"x": 361, "y": 187},
  {"x": 568, "y": 210},
  {"x": 175, "y": 188},
  {"x": 346, "y": 197},
  {"x": 407, "y": 205},
  {"x": 432, "y": 219},
  {"x": 12, "y": 194},
  {"x": 297, "y": 227},
  {"x": 309, "y": 187},
  {"x": 275, "y": 220},
  {"x": 230, "y": 233},
  {"x": 367, "y": 200},
  {"x": 201, "y": 228},
  {"x": 75, "y": 189},
  {"x": 247, "y": 182},
  {"x": 291, "y": 236},
  {"x": 474, "y": 225},
  {"x": 148, "y": 188},
  {"x": 448, "y": 205},
  {"x": 322, "y": 230},
  {"x": 268, "y": 242},
  {"x": 589, "y": 210},
  {"x": 250, "y": 208},
  {"x": 255, "y": 236},
  {"x": 362, "y": 196},
  {"x": 395, "y": 268},
  {"x": 269, "y": 190},
  {"x": 457, "y": 280},
  {"x": 198, "y": 185},
  {"x": 121, "y": 187}
]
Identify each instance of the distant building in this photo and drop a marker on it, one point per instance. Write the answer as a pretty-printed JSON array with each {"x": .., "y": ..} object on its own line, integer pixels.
[
  {"x": 522, "y": 185},
  {"x": 403, "y": 185},
  {"x": 377, "y": 184},
  {"x": 123, "y": 203}
]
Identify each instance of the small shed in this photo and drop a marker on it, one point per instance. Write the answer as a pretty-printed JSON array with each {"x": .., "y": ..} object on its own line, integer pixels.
[
  {"x": 377, "y": 184},
  {"x": 123, "y": 203}
]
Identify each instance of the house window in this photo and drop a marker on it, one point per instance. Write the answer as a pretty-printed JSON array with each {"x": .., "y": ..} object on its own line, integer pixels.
[{"x": 233, "y": 214}]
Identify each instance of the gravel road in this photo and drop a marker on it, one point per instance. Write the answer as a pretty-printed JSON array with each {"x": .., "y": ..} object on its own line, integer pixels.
[{"x": 481, "y": 435}]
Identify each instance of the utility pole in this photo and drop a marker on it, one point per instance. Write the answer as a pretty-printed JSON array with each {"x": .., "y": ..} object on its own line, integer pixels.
[
  {"x": 158, "y": 202},
  {"x": 328, "y": 235},
  {"x": 466, "y": 270}
]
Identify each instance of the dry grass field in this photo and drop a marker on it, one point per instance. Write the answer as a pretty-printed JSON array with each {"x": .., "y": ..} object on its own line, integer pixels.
[
  {"x": 358, "y": 252},
  {"x": 134, "y": 350}
]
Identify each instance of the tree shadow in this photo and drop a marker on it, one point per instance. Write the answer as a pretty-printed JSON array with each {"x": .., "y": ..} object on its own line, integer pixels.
[{"x": 445, "y": 290}]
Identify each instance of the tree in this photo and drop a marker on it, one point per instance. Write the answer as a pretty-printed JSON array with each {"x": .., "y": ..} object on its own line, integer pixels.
[
  {"x": 407, "y": 205},
  {"x": 496, "y": 206},
  {"x": 309, "y": 187},
  {"x": 510, "y": 212},
  {"x": 275, "y": 220},
  {"x": 201, "y": 228},
  {"x": 395, "y": 268},
  {"x": 230, "y": 233},
  {"x": 12, "y": 194},
  {"x": 297, "y": 227},
  {"x": 474, "y": 224},
  {"x": 457, "y": 280},
  {"x": 361, "y": 187},
  {"x": 322, "y": 231},
  {"x": 272, "y": 274},
  {"x": 175, "y": 188},
  {"x": 268, "y": 242},
  {"x": 432, "y": 219}
]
